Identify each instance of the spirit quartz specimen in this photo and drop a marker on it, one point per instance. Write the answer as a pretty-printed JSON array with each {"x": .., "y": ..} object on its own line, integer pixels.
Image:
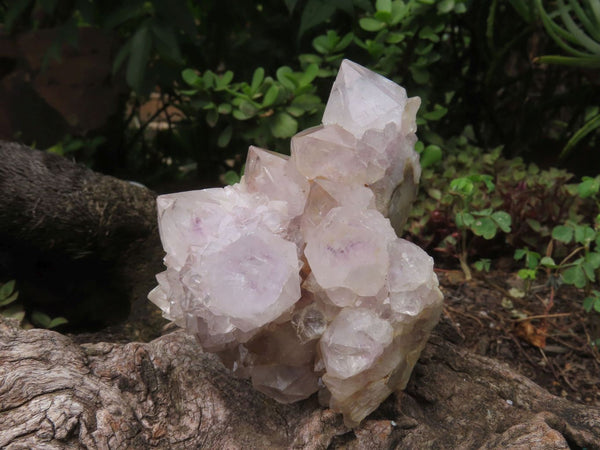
[{"x": 295, "y": 277}]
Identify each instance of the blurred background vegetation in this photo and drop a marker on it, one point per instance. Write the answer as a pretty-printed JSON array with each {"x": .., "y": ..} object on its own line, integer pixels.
[
  {"x": 159, "y": 91},
  {"x": 170, "y": 94}
]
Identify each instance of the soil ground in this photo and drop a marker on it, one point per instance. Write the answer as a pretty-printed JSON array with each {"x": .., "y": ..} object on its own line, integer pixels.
[{"x": 537, "y": 331}]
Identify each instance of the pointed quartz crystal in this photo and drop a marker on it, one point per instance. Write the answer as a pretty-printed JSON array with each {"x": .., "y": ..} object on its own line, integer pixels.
[
  {"x": 273, "y": 175},
  {"x": 295, "y": 277},
  {"x": 362, "y": 100}
]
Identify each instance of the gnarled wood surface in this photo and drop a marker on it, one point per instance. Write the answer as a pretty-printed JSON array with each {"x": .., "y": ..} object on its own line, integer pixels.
[
  {"x": 167, "y": 393},
  {"x": 62, "y": 392}
]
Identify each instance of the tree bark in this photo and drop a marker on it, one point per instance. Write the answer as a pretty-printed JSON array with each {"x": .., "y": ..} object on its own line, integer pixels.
[
  {"x": 167, "y": 393},
  {"x": 75, "y": 239},
  {"x": 58, "y": 391}
]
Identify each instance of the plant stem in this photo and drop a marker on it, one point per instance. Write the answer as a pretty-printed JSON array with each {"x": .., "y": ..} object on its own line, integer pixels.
[{"x": 464, "y": 255}]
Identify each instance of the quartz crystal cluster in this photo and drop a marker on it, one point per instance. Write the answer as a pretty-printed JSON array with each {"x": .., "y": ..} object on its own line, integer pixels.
[{"x": 295, "y": 277}]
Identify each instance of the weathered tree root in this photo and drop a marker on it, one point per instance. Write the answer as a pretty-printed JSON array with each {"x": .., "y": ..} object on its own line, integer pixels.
[
  {"x": 169, "y": 394},
  {"x": 58, "y": 393}
]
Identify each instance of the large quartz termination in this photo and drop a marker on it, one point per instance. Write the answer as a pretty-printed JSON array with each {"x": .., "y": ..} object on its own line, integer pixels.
[{"x": 295, "y": 277}]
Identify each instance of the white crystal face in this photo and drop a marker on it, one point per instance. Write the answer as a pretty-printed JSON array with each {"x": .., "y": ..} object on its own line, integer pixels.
[
  {"x": 275, "y": 176},
  {"x": 361, "y": 100},
  {"x": 354, "y": 341},
  {"x": 330, "y": 153},
  {"x": 205, "y": 221},
  {"x": 234, "y": 282},
  {"x": 295, "y": 277},
  {"x": 349, "y": 250}
]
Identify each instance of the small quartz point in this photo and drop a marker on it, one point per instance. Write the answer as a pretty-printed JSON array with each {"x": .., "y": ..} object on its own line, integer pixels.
[{"x": 296, "y": 277}]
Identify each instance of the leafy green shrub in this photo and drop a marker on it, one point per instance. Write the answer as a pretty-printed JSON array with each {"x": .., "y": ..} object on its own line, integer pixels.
[
  {"x": 266, "y": 111},
  {"x": 577, "y": 244},
  {"x": 481, "y": 222}
]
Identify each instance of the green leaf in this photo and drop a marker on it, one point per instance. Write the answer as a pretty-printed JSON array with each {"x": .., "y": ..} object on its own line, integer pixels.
[
  {"x": 241, "y": 115},
  {"x": 212, "y": 116},
  {"x": 40, "y": 319},
  {"x": 384, "y": 5},
  {"x": 587, "y": 128},
  {"x": 436, "y": 194},
  {"x": 431, "y": 155},
  {"x": 487, "y": 180},
  {"x": 257, "y": 79},
  {"x": 527, "y": 274},
  {"x": 460, "y": 8},
  {"x": 7, "y": 289},
  {"x": 395, "y": 38},
  {"x": 588, "y": 187},
  {"x": 580, "y": 36},
  {"x": 584, "y": 234},
  {"x": 56, "y": 322},
  {"x": 307, "y": 102},
  {"x": 283, "y": 125},
  {"x": 462, "y": 185},
  {"x": 589, "y": 271},
  {"x": 294, "y": 111},
  {"x": 322, "y": 44},
  {"x": 534, "y": 225},
  {"x": 419, "y": 74},
  {"x": 270, "y": 96},
  {"x": 15, "y": 311},
  {"x": 562, "y": 233},
  {"x": 593, "y": 258},
  {"x": 309, "y": 74},
  {"x": 8, "y": 300},
  {"x": 223, "y": 81},
  {"x": 533, "y": 259},
  {"x": 424, "y": 48},
  {"x": 225, "y": 137},
  {"x": 247, "y": 108},
  {"x": 231, "y": 177},
  {"x": 520, "y": 253},
  {"x": 344, "y": 42},
  {"x": 225, "y": 108},
  {"x": 575, "y": 276},
  {"x": 445, "y": 6},
  {"x": 587, "y": 62},
  {"x": 503, "y": 220},
  {"x": 428, "y": 33},
  {"x": 209, "y": 78},
  {"x": 484, "y": 227},
  {"x": 141, "y": 44},
  {"x": 192, "y": 78},
  {"x": 588, "y": 303},
  {"x": 588, "y": 21},
  {"x": 371, "y": 24},
  {"x": 283, "y": 77},
  {"x": 463, "y": 219},
  {"x": 438, "y": 112},
  {"x": 483, "y": 264},
  {"x": 547, "y": 261}
]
